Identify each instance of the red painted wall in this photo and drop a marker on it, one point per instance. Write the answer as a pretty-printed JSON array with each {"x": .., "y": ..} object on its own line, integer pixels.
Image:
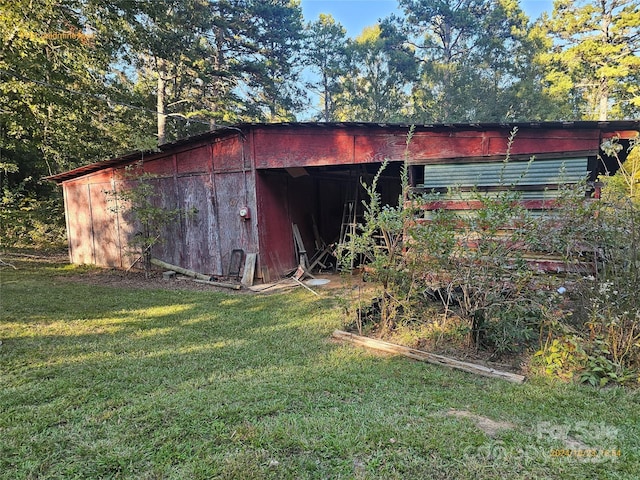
[
  {"x": 202, "y": 241},
  {"x": 218, "y": 173},
  {"x": 295, "y": 147},
  {"x": 274, "y": 225}
]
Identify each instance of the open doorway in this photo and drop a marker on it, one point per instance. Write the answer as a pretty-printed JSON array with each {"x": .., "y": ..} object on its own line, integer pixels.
[{"x": 318, "y": 202}]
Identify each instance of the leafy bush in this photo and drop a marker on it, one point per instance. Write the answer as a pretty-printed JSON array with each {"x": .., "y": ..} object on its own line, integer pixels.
[
  {"x": 562, "y": 357},
  {"x": 32, "y": 223},
  {"x": 608, "y": 312},
  {"x": 472, "y": 264},
  {"x": 585, "y": 320},
  {"x": 138, "y": 201}
]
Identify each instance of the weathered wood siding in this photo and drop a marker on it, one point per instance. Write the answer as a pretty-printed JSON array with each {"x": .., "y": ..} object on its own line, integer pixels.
[
  {"x": 276, "y": 242},
  {"x": 91, "y": 224},
  {"x": 284, "y": 174},
  {"x": 208, "y": 182}
]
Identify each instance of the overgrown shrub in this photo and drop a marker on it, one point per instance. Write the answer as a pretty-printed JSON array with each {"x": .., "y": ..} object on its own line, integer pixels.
[
  {"x": 584, "y": 321},
  {"x": 472, "y": 264},
  {"x": 137, "y": 199},
  {"x": 31, "y": 223},
  {"x": 607, "y": 310},
  {"x": 475, "y": 264}
]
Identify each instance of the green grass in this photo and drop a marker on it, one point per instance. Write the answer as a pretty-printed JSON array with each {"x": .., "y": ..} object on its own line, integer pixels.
[{"x": 100, "y": 382}]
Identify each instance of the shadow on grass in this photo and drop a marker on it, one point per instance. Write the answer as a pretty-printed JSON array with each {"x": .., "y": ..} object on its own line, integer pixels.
[{"x": 105, "y": 383}]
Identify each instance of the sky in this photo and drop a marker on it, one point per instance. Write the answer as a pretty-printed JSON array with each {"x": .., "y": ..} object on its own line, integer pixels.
[{"x": 354, "y": 15}]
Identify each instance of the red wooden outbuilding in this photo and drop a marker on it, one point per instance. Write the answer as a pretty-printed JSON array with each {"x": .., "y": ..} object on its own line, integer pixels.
[{"x": 250, "y": 183}]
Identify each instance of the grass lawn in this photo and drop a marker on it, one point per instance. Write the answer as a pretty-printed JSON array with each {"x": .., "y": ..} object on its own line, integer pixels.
[{"x": 104, "y": 382}]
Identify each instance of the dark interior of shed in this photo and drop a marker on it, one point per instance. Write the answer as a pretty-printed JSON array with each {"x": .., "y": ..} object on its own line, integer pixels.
[
  {"x": 608, "y": 164},
  {"x": 322, "y": 202}
]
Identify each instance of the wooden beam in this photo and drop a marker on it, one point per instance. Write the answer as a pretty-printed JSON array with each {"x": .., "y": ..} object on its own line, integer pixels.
[
  {"x": 303, "y": 285},
  {"x": 479, "y": 205},
  {"x": 198, "y": 277},
  {"x": 426, "y": 357},
  {"x": 279, "y": 285},
  {"x": 183, "y": 271},
  {"x": 232, "y": 286}
]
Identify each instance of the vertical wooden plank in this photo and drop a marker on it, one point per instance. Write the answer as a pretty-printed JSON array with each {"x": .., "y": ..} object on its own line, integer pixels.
[
  {"x": 105, "y": 235},
  {"x": 92, "y": 238},
  {"x": 67, "y": 214},
  {"x": 78, "y": 222},
  {"x": 276, "y": 248},
  {"x": 197, "y": 251},
  {"x": 249, "y": 269},
  {"x": 234, "y": 233},
  {"x": 126, "y": 225}
]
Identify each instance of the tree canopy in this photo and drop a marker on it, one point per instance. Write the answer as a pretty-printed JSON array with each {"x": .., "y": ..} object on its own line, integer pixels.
[
  {"x": 595, "y": 58},
  {"x": 82, "y": 80}
]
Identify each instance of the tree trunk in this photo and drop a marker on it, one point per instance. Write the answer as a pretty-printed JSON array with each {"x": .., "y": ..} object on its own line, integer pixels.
[
  {"x": 327, "y": 101},
  {"x": 603, "y": 106},
  {"x": 161, "y": 100}
]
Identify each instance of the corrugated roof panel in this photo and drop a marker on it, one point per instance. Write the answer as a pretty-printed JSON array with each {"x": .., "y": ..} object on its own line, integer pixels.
[
  {"x": 537, "y": 172},
  {"x": 544, "y": 194}
]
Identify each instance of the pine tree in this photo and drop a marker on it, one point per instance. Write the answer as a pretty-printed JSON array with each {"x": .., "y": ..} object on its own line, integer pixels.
[
  {"x": 596, "y": 57},
  {"x": 326, "y": 54}
]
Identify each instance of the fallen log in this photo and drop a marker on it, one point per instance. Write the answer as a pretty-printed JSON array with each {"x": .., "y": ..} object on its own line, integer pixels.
[
  {"x": 190, "y": 273},
  {"x": 426, "y": 356}
]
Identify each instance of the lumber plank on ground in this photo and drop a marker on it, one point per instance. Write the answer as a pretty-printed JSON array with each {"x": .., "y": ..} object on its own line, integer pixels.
[
  {"x": 426, "y": 356},
  {"x": 233, "y": 286},
  {"x": 271, "y": 287}
]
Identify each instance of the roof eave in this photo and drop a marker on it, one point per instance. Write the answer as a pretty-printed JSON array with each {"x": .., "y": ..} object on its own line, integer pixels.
[{"x": 611, "y": 127}]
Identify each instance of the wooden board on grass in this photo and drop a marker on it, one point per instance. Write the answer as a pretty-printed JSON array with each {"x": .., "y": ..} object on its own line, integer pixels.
[{"x": 426, "y": 357}]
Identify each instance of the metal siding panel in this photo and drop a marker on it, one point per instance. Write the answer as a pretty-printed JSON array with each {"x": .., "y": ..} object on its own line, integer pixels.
[
  {"x": 545, "y": 194},
  {"x": 538, "y": 172}
]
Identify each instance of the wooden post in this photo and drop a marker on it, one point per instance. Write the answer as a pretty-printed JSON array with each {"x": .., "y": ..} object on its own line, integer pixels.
[{"x": 175, "y": 268}]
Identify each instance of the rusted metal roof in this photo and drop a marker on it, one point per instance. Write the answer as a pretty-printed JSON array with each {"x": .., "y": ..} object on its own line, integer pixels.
[{"x": 611, "y": 127}]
